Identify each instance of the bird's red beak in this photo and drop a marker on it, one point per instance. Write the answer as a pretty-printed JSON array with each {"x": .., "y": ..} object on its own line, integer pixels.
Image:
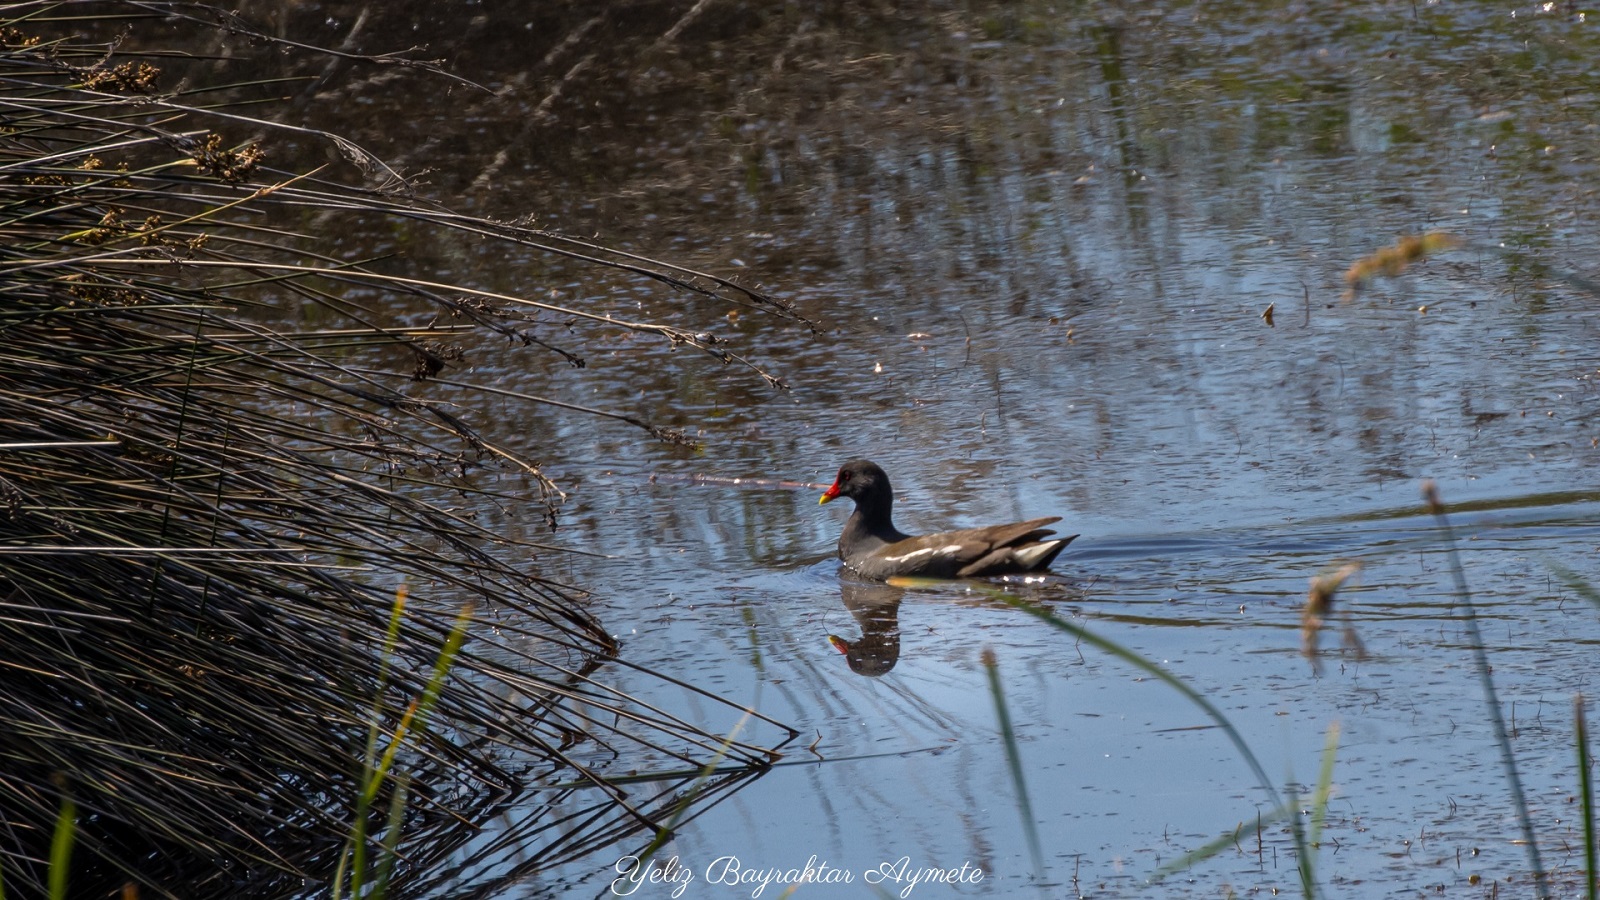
[
  {"x": 830, "y": 493},
  {"x": 839, "y": 643}
]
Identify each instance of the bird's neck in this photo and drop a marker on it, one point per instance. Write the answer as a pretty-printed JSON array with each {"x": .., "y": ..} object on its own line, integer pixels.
[{"x": 870, "y": 526}]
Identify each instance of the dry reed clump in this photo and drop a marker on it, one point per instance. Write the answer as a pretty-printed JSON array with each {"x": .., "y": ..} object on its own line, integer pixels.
[
  {"x": 205, "y": 517},
  {"x": 1395, "y": 259}
]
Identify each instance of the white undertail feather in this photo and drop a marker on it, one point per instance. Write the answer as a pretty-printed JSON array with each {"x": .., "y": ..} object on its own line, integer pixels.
[{"x": 1030, "y": 556}]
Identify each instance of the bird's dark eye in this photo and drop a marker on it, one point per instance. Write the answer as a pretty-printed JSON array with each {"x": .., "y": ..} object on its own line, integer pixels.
[{"x": 844, "y": 476}]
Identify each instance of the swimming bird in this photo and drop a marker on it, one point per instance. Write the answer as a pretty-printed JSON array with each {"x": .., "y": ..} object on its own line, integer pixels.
[{"x": 873, "y": 548}]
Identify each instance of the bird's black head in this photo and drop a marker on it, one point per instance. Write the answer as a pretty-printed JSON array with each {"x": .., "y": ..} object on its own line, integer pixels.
[{"x": 860, "y": 480}]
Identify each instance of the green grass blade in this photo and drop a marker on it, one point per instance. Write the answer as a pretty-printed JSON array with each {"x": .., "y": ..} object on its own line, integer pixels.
[
  {"x": 391, "y": 839},
  {"x": 416, "y": 717},
  {"x": 414, "y": 722},
  {"x": 379, "y": 769},
  {"x": 1305, "y": 866},
  {"x": 442, "y": 665},
  {"x": 341, "y": 871},
  {"x": 991, "y": 668},
  {"x": 61, "y": 848},
  {"x": 1319, "y": 800},
  {"x": 354, "y": 859},
  {"x": 375, "y": 769}
]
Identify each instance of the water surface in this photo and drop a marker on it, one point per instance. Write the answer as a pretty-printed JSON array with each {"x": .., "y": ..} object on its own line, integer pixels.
[{"x": 1039, "y": 241}]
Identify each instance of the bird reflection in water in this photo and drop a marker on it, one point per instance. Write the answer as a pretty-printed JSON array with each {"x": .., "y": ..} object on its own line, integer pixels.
[{"x": 876, "y": 608}]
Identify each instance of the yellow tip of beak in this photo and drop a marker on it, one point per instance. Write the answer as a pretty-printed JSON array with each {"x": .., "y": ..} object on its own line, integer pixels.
[{"x": 823, "y": 499}]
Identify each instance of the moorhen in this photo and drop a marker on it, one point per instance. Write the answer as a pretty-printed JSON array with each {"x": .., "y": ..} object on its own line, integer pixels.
[{"x": 873, "y": 548}]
